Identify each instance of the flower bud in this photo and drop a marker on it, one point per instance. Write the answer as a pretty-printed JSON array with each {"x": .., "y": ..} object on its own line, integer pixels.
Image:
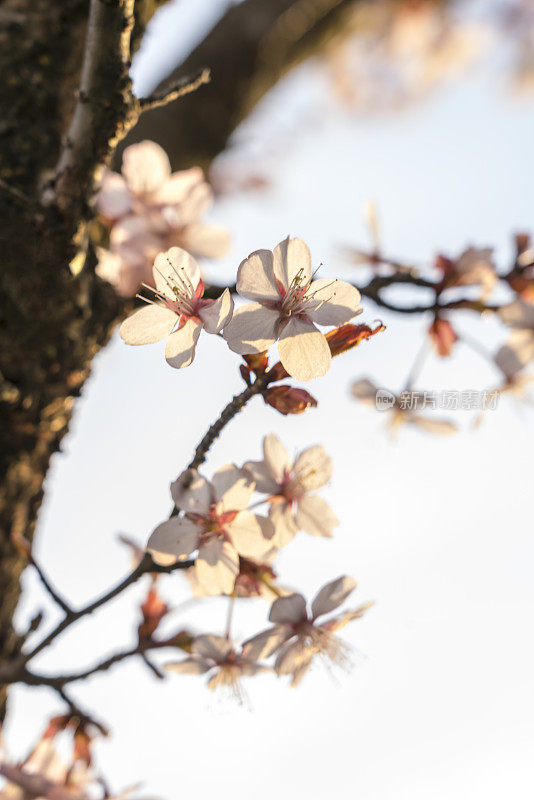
[
  {"x": 288, "y": 400},
  {"x": 257, "y": 362},
  {"x": 442, "y": 336}
]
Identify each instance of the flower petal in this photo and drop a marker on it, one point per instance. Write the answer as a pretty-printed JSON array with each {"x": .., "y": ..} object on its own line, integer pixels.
[
  {"x": 113, "y": 199},
  {"x": 189, "y": 666},
  {"x": 518, "y": 314},
  {"x": 261, "y": 475},
  {"x": 232, "y": 488},
  {"x": 365, "y": 390},
  {"x": 315, "y": 516},
  {"x": 338, "y": 302},
  {"x": 217, "y": 565},
  {"x": 332, "y": 595},
  {"x": 313, "y": 468},
  {"x": 217, "y": 313},
  {"x": 437, "y": 426},
  {"x": 252, "y": 329},
  {"x": 181, "y": 345},
  {"x": 290, "y": 257},
  {"x": 276, "y": 457},
  {"x": 255, "y": 278},
  {"x": 176, "y": 267},
  {"x": 303, "y": 350},
  {"x": 206, "y": 241},
  {"x": 288, "y": 610},
  {"x": 293, "y": 657},
  {"x": 192, "y": 492},
  {"x": 196, "y": 202},
  {"x": 247, "y": 536},
  {"x": 265, "y": 643},
  {"x": 334, "y": 624},
  {"x": 282, "y": 518},
  {"x": 516, "y": 353},
  {"x": 145, "y": 167},
  {"x": 150, "y": 324},
  {"x": 176, "y": 189},
  {"x": 208, "y": 645},
  {"x": 173, "y": 540}
]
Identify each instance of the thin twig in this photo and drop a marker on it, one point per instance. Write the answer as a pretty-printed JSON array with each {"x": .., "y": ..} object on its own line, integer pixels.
[
  {"x": 146, "y": 566},
  {"x": 50, "y": 589},
  {"x": 175, "y": 90}
]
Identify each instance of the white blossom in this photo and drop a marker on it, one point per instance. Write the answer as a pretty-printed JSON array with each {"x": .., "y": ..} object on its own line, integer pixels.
[
  {"x": 289, "y": 485},
  {"x": 149, "y": 209},
  {"x": 216, "y": 655},
  {"x": 178, "y": 312},
  {"x": 400, "y": 413},
  {"x": 286, "y": 306},
  {"x": 297, "y": 636},
  {"x": 217, "y": 523}
]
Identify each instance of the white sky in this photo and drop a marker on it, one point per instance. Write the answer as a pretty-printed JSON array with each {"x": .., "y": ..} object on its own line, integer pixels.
[{"x": 437, "y": 532}]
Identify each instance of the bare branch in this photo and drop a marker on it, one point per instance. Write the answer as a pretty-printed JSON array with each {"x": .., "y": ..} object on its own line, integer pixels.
[
  {"x": 174, "y": 90},
  {"x": 144, "y": 567}
]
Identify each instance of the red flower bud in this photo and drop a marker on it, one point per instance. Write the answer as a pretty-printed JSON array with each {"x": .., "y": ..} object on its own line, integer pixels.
[
  {"x": 153, "y": 611},
  {"x": 257, "y": 362},
  {"x": 442, "y": 336},
  {"x": 288, "y": 400}
]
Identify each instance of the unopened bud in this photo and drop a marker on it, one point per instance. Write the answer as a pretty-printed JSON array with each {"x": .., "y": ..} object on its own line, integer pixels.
[
  {"x": 257, "y": 362},
  {"x": 288, "y": 400},
  {"x": 442, "y": 336}
]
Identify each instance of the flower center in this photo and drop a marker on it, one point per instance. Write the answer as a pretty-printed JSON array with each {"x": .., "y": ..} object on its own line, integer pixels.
[{"x": 298, "y": 299}]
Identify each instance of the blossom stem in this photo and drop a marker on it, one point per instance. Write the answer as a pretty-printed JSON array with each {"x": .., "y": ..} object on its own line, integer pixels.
[
  {"x": 230, "y": 614},
  {"x": 237, "y": 403}
]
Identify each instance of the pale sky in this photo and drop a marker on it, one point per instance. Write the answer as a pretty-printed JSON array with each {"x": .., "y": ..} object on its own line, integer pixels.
[{"x": 437, "y": 532}]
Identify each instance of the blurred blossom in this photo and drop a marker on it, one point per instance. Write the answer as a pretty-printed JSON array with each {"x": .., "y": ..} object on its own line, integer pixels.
[
  {"x": 297, "y": 637},
  {"x": 215, "y": 655},
  {"x": 148, "y": 209},
  {"x": 401, "y": 410}
]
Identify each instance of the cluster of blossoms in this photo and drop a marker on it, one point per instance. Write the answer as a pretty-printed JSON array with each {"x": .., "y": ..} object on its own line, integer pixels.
[
  {"x": 148, "y": 209},
  {"x": 295, "y": 638},
  {"x": 216, "y": 519},
  {"x": 233, "y": 544},
  {"x": 287, "y": 305},
  {"x": 473, "y": 270}
]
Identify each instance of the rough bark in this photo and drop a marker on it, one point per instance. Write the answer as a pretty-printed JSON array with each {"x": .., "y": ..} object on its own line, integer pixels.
[{"x": 51, "y": 323}]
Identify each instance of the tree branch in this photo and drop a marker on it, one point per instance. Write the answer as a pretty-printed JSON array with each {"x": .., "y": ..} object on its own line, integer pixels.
[{"x": 143, "y": 568}]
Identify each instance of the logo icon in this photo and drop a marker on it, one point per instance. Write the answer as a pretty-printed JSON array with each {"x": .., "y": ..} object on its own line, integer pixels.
[{"x": 384, "y": 400}]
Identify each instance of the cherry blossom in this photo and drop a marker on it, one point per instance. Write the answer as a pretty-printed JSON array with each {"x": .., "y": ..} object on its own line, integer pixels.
[
  {"x": 297, "y": 637},
  {"x": 177, "y": 311},
  {"x": 148, "y": 209},
  {"x": 474, "y": 266},
  {"x": 511, "y": 359},
  {"x": 289, "y": 486},
  {"x": 44, "y": 775},
  {"x": 287, "y": 305},
  {"x": 366, "y": 391},
  {"x": 217, "y": 523},
  {"x": 216, "y": 655}
]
